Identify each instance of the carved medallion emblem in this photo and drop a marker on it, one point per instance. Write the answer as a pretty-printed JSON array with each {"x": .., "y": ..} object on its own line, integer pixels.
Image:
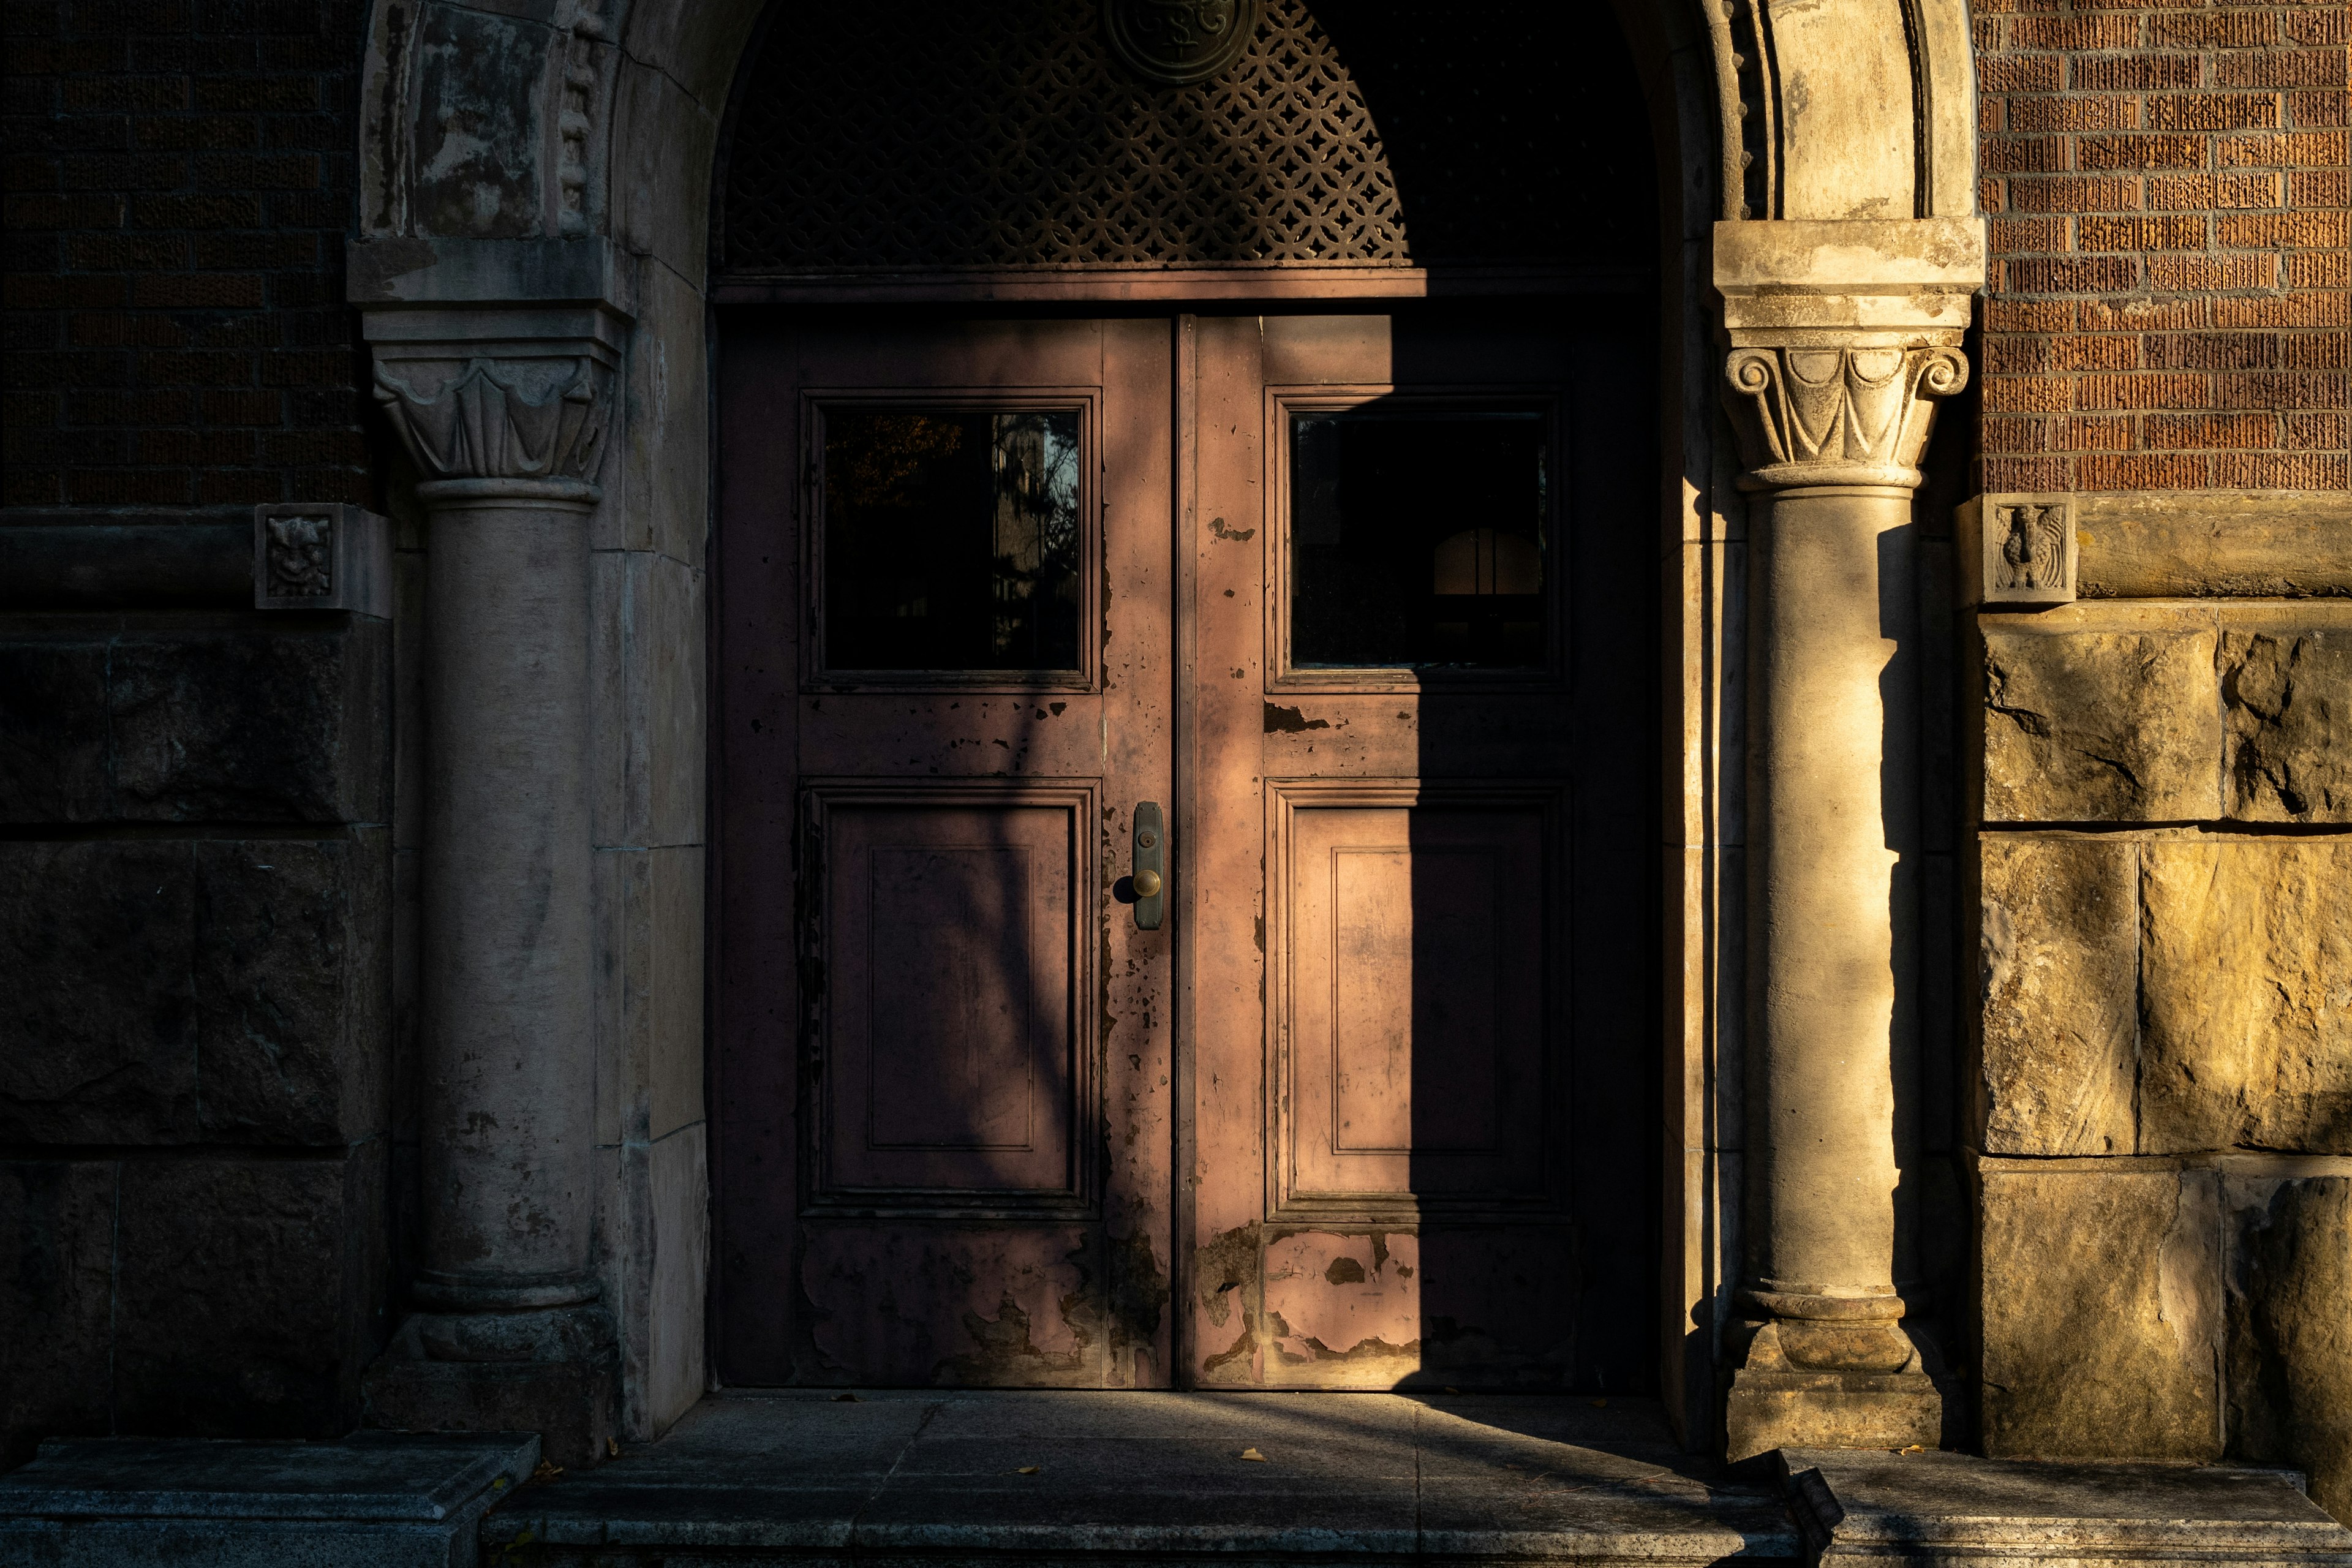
[
  {"x": 300, "y": 557},
  {"x": 1177, "y": 42}
]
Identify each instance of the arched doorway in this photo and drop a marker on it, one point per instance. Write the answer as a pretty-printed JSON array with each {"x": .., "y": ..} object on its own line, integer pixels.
[{"x": 1247, "y": 483}]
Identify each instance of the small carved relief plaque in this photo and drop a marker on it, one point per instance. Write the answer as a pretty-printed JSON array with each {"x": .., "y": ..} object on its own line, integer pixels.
[
  {"x": 297, "y": 553},
  {"x": 1179, "y": 42},
  {"x": 318, "y": 555},
  {"x": 2024, "y": 548}
]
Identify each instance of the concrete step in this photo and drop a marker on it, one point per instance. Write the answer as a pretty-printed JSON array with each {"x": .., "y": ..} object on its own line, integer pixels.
[
  {"x": 375, "y": 1500},
  {"x": 1927, "y": 1509},
  {"x": 1004, "y": 1477}
]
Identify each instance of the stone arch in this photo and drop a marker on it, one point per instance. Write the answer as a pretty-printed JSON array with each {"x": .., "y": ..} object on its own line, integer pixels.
[{"x": 535, "y": 182}]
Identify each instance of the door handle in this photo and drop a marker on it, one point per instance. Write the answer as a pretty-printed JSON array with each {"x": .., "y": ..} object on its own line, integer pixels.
[{"x": 1148, "y": 863}]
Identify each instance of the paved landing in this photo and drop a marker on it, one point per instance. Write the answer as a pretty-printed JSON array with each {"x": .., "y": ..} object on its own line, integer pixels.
[{"x": 1367, "y": 1478}]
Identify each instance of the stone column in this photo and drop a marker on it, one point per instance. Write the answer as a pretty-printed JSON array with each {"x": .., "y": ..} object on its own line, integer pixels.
[
  {"x": 1842, "y": 337},
  {"x": 504, "y": 413}
]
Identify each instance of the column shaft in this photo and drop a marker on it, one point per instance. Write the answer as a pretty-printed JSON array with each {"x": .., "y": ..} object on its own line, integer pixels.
[{"x": 508, "y": 1081}]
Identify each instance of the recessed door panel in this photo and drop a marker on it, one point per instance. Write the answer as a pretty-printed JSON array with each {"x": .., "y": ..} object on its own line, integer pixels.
[
  {"x": 954, "y": 981},
  {"x": 1412, "y": 988}
]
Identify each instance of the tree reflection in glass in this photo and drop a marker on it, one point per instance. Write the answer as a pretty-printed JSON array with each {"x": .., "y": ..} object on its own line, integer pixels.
[
  {"x": 952, "y": 538},
  {"x": 1418, "y": 537}
]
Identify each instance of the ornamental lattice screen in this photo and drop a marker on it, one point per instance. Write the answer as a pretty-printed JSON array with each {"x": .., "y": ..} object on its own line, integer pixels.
[{"x": 994, "y": 134}]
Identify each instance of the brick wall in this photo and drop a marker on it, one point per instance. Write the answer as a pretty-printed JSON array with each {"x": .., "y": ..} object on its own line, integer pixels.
[
  {"x": 179, "y": 182},
  {"x": 2167, "y": 187}
]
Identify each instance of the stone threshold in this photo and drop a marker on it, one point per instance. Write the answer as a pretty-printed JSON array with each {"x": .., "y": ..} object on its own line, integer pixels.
[
  {"x": 1004, "y": 1477},
  {"x": 374, "y": 1499}
]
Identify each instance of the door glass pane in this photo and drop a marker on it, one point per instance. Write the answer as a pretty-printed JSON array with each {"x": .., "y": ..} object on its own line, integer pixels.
[
  {"x": 1417, "y": 537},
  {"x": 952, "y": 538}
]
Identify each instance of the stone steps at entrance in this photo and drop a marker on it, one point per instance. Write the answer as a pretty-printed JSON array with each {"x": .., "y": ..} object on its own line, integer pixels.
[
  {"x": 1005, "y": 1477},
  {"x": 1016, "y": 1478}
]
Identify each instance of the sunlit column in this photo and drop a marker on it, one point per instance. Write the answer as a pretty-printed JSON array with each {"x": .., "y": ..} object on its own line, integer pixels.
[{"x": 1842, "y": 336}]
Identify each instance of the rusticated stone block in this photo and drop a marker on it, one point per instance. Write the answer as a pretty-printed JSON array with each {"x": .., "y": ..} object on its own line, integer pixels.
[
  {"x": 2060, "y": 941},
  {"x": 2290, "y": 1328},
  {"x": 2246, "y": 987},
  {"x": 2289, "y": 695},
  {"x": 250, "y": 1294},
  {"x": 194, "y": 991},
  {"x": 53, "y": 753},
  {"x": 2101, "y": 720},
  {"x": 219, "y": 725},
  {"x": 99, "y": 1042},
  {"x": 2101, "y": 1313},
  {"x": 57, "y": 1253}
]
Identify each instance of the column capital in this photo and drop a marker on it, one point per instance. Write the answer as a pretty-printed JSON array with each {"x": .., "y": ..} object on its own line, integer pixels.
[
  {"x": 495, "y": 359},
  {"x": 1842, "y": 410},
  {"x": 1840, "y": 334}
]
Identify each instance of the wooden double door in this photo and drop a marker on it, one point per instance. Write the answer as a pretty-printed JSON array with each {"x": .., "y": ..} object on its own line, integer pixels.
[{"x": 1337, "y": 625}]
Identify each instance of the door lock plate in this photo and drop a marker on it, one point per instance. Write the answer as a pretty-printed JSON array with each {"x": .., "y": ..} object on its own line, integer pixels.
[{"x": 1148, "y": 867}]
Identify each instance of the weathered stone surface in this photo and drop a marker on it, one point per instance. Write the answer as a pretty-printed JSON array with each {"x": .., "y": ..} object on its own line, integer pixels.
[
  {"x": 2116, "y": 719},
  {"x": 2290, "y": 1328},
  {"x": 2180, "y": 544},
  {"x": 2060, "y": 975},
  {"x": 1923, "y": 1509},
  {"x": 194, "y": 991},
  {"x": 293, "y": 989},
  {"x": 56, "y": 1250},
  {"x": 372, "y": 1500},
  {"x": 2246, "y": 1011},
  {"x": 2289, "y": 691},
  {"x": 236, "y": 723},
  {"x": 98, "y": 1043},
  {"x": 53, "y": 750},
  {"x": 569, "y": 1403},
  {"x": 249, "y": 1294},
  {"x": 2101, "y": 1313}
]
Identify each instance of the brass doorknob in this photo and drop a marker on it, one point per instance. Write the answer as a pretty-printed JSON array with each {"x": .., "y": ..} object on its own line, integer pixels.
[{"x": 1147, "y": 884}]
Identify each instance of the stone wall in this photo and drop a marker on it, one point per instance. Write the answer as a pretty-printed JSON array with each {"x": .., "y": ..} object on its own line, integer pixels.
[
  {"x": 195, "y": 922},
  {"x": 196, "y": 911},
  {"x": 2162, "y": 1116},
  {"x": 2167, "y": 187}
]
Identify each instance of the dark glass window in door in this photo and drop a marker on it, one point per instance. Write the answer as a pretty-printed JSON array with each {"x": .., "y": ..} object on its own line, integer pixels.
[
  {"x": 952, "y": 538},
  {"x": 1418, "y": 538}
]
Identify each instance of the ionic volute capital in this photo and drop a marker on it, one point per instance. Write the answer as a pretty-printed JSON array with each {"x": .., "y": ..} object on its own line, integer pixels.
[
  {"x": 1825, "y": 408},
  {"x": 535, "y": 421}
]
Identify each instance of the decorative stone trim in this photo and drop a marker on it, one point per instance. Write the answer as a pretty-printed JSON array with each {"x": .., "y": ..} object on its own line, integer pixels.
[
  {"x": 2024, "y": 549},
  {"x": 322, "y": 555},
  {"x": 503, "y": 419},
  {"x": 1840, "y": 408}
]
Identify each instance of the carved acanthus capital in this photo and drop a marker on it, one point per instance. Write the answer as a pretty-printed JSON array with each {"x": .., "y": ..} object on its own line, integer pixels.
[
  {"x": 502, "y": 419},
  {"x": 1829, "y": 408}
]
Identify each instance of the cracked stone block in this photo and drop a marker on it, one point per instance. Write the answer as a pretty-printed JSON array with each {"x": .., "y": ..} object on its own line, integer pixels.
[
  {"x": 2290, "y": 1328},
  {"x": 2059, "y": 937},
  {"x": 250, "y": 1294},
  {"x": 56, "y": 1252},
  {"x": 2084, "y": 725},
  {"x": 208, "y": 990},
  {"x": 2289, "y": 714},
  {"x": 2102, "y": 1314},
  {"x": 2246, "y": 999},
  {"x": 225, "y": 725}
]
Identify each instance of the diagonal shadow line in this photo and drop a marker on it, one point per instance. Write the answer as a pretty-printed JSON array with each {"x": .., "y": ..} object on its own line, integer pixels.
[{"x": 857, "y": 1520}]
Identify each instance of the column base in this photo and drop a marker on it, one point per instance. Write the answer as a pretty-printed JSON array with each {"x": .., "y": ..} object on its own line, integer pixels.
[
  {"x": 570, "y": 1404},
  {"x": 554, "y": 1371},
  {"x": 1894, "y": 1399},
  {"x": 1769, "y": 1410}
]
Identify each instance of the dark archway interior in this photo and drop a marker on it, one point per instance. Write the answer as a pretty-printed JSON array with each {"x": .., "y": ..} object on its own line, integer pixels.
[{"x": 944, "y": 135}]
